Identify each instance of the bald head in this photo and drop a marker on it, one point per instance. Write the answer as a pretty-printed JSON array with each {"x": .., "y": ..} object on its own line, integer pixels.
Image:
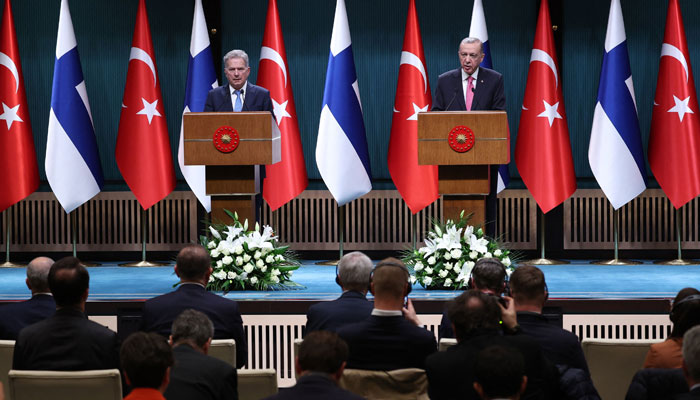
[{"x": 38, "y": 274}]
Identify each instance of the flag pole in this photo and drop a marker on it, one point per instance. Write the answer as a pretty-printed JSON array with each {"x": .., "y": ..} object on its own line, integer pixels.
[
  {"x": 414, "y": 230},
  {"x": 616, "y": 245},
  {"x": 7, "y": 263},
  {"x": 543, "y": 260},
  {"x": 679, "y": 260},
  {"x": 144, "y": 235},
  {"x": 341, "y": 237},
  {"x": 74, "y": 240}
]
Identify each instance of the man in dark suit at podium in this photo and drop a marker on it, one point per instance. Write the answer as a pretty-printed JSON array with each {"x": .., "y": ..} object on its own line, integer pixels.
[
  {"x": 15, "y": 316},
  {"x": 472, "y": 88},
  {"x": 238, "y": 94}
]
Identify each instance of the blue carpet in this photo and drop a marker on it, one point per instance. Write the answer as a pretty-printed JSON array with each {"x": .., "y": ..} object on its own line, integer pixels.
[{"x": 578, "y": 280}]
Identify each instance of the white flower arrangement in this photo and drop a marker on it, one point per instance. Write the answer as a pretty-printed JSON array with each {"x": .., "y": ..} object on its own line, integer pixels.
[
  {"x": 248, "y": 260},
  {"x": 450, "y": 252}
]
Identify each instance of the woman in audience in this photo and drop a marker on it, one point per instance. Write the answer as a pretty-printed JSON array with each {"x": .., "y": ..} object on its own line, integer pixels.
[{"x": 685, "y": 314}]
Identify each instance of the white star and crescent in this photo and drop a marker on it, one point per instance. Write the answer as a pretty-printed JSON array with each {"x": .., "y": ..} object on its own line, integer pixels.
[
  {"x": 550, "y": 112},
  {"x": 416, "y": 110},
  {"x": 149, "y": 110},
  {"x": 681, "y": 107},
  {"x": 280, "y": 111},
  {"x": 414, "y": 61},
  {"x": 267, "y": 53},
  {"x": 8, "y": 63},
  {"x": 139, "y": 54},
  {"x": 9, "y": 114}
]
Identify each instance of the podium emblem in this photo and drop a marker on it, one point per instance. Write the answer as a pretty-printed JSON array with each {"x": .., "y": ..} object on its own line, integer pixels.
[
  {"x": 226, "y": 139},
  {"x": 461, "y": 139}
]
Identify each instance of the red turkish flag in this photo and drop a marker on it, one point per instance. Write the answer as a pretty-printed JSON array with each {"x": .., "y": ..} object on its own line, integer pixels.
[
  {"x": 143, "y": 146},
  {"x": 417, "y": 184},
  {"x": 674, "y": 144},
  {"x": 286, "y": 179},
  {"x": 19, "y": 174},
  {"x": 543, "y": 149}
]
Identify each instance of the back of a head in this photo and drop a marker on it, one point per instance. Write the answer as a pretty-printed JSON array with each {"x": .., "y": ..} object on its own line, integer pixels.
[
  {"x": 193, "y": 262},
  {"x": 68, "y": 280},
  {"x": 473, "y": 310},
  {"x": 527, "y": 285},
  {"x": 390, "y": 278},
  {"x": 489, "y": 274},
  {"x": 499, "y": 371},
  {"x": 192, "y": 326},
  {"x": 322, "y": 351},
  {"x": 145, "y": 358},
  {"x": 38, "y": 274},
  {"x": 691, "y": 353},
  {"x": 354, "y": 270},
  {"x": 685, "y": 314}
]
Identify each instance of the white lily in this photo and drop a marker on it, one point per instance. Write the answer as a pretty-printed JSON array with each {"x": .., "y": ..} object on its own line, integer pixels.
[{"x": 214, "y": 232}]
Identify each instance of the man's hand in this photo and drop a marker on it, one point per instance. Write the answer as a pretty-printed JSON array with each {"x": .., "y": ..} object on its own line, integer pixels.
[
  {"x": 508, "y": 315},
  {"x": 410, "y": 314}
]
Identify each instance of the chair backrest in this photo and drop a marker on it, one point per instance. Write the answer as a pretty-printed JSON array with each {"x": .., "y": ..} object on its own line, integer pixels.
[
  {"x": 7, "y": 349},
  {"x": 256, "y": 384},
  {"x": 103, "y": 384},
  {"x": 613, "y": 363},
  {"x": 224, "y": 349},
  {"x": 445, "y": 343},
  {"x": 297, "y": 346},
  {"x": 398, "y": 384}
]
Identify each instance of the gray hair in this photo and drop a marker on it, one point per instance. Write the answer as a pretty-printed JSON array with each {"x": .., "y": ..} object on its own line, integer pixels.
[
  {"x": 38, "y": 274},
  {"x": 192, "y": 325},
  {"x": 237, "y": 54},
  {"x": 691, "y": 352},
  {"x": 354, "y": 270},
  {"x": 470, "y": 40}
]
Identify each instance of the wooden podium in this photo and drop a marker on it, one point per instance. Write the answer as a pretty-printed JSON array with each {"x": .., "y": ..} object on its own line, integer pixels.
[
  {"x": 232, "y": 178},
  {"x": 463, "y": 173}
]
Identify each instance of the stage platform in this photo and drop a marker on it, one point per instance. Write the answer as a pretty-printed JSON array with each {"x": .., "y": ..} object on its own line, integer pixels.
[{"x": 576, "y": 283}]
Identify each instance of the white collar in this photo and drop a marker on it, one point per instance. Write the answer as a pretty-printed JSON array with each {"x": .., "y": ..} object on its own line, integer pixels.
[
  {"x": 386, "y": 313},
  {"x": 475, "y": 75},
  {"x": 244, "y": 88}
]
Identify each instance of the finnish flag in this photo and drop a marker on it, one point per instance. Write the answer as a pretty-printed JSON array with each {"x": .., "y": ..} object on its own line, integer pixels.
[
  {"x": 342, "y": 156},
  {"x": 72, "y": 160},
  {"x": 615, "y": 151},
  {"x": 201, "y": 78}
]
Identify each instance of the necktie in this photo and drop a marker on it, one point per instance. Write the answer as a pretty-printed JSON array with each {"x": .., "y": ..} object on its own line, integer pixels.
[
  {"x": 239, "y": 104},
  {"x": 470, "y": 93}
]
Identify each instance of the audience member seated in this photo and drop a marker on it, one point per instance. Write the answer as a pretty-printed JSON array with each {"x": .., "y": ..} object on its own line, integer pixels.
[
  {"x": 15, "y": 316},
  {"x": 195, "y": 374},
  {"x": 477, "y": 319},
  {"x": 193, "y": 267},
  {"x": 657, "y": 383},
  {"x": 685, "y": 314},
  {"x": 529, "y": 291},
  {"x": 499, "y": 373},
  {"x": 352, "y": 306},
  {"x": 387, "y": 340},
  {"x": 146, "y": 360},
  {"x": 320, "y": 364},
  {"x": 67, "y": 341},
  {"x": 691, "y": 363},
  {"x": 487, "y": 276}
]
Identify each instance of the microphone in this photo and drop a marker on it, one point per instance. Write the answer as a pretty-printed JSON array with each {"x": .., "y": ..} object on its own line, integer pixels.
[
  {"x": 450, "y": 103},
  {"x": 245, "y": 106}
]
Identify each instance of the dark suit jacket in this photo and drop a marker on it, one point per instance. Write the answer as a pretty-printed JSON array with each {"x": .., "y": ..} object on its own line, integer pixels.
[
  {"x": 560, "y": 346},
  {"x": 160, "y": 312},
  {"x": 692, "y": 395},
  {"x": 314, "y": 386},
  {"x": 256, "y": 99},
  {"x": 350, "y": 307},
  {"x": 488, "y": 94},
  {"x": 451, "y": 373},
  {"x": 15, "y": 316},
  {"x": 657, "y": 383},
  {"x": 67, "y": 341},
  {"x": 197, "y": 376},
  {"x": 387, "y": 343}
]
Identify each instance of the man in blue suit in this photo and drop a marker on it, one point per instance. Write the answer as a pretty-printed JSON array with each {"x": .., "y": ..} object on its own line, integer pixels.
[
  {"x": 238, "y": 94},
  {"x": 352, "y": 306},
  {"x": 193, "y": 266},
  {"x": 482, "y": 88},
  {"x": 15, "y": 316}
]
